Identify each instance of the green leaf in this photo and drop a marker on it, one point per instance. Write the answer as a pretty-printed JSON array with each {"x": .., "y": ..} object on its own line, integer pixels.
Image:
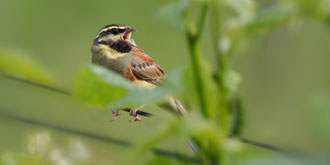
[
  {"x": 140, "y": 96},
  {"x": 210, "y": 140},
  {"x": 14, "y": 64},
  {"x": 176, "y": 127},
  {"x": 99, "y": 86},
  {"x": 96, "y": 85}
]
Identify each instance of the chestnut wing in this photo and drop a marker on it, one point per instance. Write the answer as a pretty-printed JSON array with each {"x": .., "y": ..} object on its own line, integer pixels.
[{"x": 144, "y": 68}]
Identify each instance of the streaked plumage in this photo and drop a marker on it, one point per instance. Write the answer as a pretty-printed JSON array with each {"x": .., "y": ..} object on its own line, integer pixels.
[{"x": 113, "y": 49}]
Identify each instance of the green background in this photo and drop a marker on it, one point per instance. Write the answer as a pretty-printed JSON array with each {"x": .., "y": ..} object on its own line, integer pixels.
[{"x": 285, "y": 76}]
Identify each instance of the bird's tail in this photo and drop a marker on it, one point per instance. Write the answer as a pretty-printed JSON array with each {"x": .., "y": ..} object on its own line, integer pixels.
[{"x": 175, "y": 106}]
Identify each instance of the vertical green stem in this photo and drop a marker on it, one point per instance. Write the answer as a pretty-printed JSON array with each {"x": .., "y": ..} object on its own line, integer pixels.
[
  {"x": 195, "y": 61},
  {"x": 221, "y": 71},
  {"x": 221, "y": 65},
  {"x": 193, "y": 34}
]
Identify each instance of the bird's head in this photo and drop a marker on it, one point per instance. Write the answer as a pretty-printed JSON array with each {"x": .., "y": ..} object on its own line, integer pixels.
[{"x": 115, "y": 33}]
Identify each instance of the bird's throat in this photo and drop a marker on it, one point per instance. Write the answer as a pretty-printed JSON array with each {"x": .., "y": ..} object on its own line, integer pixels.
[{"x": 118, "y": 46}]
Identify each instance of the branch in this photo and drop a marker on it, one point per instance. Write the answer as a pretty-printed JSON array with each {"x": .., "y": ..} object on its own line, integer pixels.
[
  {"x": 265, "y": 146},
  {"x": 47, "y": 87}
]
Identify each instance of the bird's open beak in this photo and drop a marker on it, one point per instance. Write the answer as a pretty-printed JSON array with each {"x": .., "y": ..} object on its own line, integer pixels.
[
  {"x": 131, "y": 42},
  {"x": 127, "y": 36},
  {"x": 130, "y": 29}
]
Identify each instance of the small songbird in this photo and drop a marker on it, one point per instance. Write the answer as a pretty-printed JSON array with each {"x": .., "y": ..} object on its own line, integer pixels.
[{"x": 114, "y": 49}]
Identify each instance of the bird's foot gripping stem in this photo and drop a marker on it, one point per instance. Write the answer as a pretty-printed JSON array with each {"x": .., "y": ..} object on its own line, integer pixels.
[
  {"x": 133, "y": 112},
  {"x": 136, "y": 118},
  {"x": 115, "y": 115}
]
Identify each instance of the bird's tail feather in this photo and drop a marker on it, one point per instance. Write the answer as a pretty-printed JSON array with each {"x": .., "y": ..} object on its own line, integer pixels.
[{"x": 175, "y": 106}]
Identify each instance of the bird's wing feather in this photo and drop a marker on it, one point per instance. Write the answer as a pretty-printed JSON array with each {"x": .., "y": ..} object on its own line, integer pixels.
[{"x": 144, "y": 68}]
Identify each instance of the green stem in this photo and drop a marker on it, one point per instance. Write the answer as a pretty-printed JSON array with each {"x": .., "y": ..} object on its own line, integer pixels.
[
  {"x": 201, "y": 20},
  {"x": 195, "y": 61},
  {"x": 193, "y": 34},
  {"x": 221, "y": 65}
]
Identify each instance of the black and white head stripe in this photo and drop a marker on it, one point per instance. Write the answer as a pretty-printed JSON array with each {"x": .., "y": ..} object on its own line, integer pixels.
[{"x": 113, "y": 29}]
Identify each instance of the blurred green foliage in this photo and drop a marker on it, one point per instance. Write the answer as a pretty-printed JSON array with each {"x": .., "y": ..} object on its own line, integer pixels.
[
  {"x": 10, "y": 63},
  {"x": 40, "y": 151},
  {"x": 277, "y": 63},
  {"x": 99, "y": 86},
  {"x": 90, "y": 87}
]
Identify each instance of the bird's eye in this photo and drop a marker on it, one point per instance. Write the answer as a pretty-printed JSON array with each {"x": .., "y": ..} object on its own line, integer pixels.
[
  {"x": 114, "y": 31},
  {"x": 121, "y": 30}
]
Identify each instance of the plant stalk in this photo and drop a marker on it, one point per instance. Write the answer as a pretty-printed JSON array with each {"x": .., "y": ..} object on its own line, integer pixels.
[
  {"x": 221, "y": 66},
  {"x": 193, "y": 34}
]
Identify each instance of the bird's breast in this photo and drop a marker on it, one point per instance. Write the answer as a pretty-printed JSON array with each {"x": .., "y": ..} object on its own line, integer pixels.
[{"x": 115, "y": 62}]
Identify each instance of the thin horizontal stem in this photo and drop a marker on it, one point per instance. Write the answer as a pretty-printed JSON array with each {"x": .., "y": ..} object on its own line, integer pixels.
[
  {"x": 58, "y": 90},
  {"x": 47, "y": 87},
  {"x": 262, "y": 145}
]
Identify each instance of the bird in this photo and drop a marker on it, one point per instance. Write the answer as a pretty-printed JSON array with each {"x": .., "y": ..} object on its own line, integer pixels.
[{"x": 114, "y": 49}]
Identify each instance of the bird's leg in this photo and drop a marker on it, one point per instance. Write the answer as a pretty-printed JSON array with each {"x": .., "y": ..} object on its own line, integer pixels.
[
  {"x": 133, "y": 112},
  {"x": 115, "y": 114}
]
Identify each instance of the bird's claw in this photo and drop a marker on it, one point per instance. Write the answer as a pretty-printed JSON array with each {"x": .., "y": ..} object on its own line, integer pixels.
[
  {"x": 136, "y": 117},
  {"x": 115, "y": 114}
]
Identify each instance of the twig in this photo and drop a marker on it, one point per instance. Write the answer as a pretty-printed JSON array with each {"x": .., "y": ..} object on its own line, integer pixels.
[
  {"x": 54, "y": 89},
  {"x": 142, "y": 113},
  {"x": 263, "y": 145},
  {"x": 58, "y": 90}
]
